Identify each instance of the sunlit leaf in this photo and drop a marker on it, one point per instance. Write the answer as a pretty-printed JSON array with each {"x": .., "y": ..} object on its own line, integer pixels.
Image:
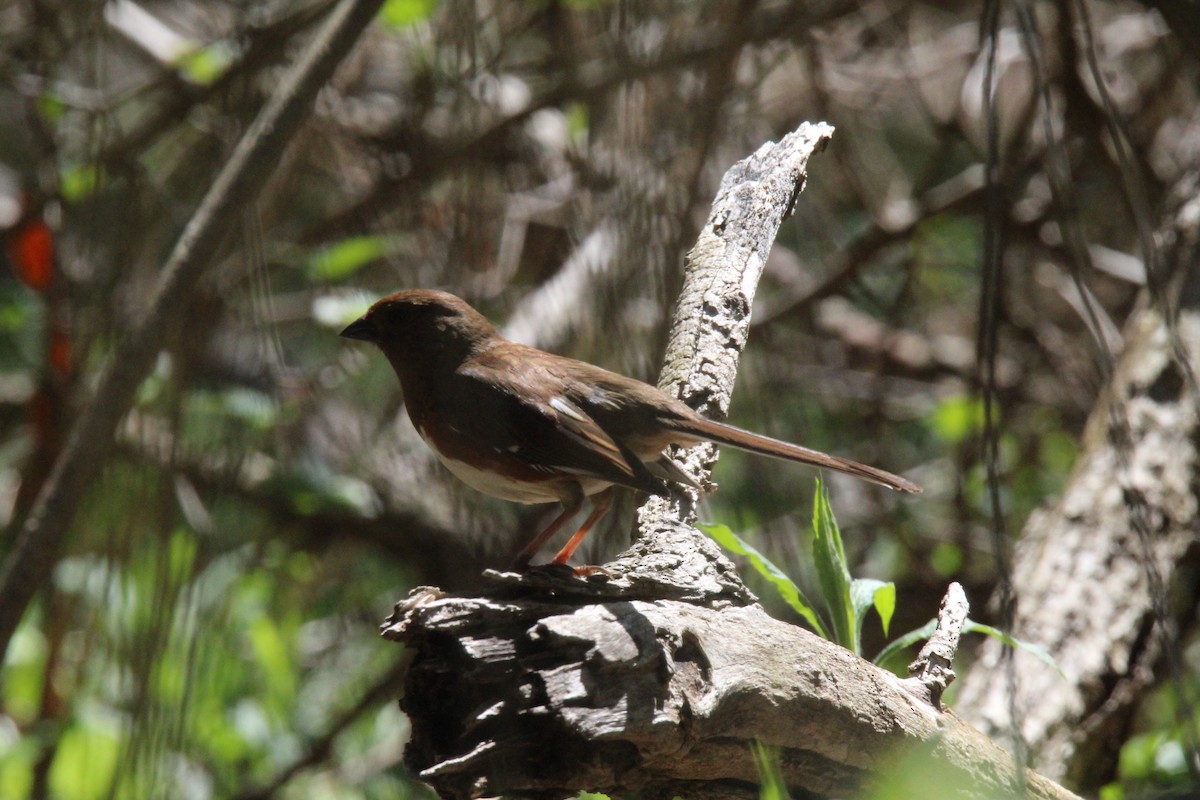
[
  {"x": 771, "y": 784},
  {"x": 956, "y": 418},
  {"x": 833, "y": 574},
  {"x": 339, "y": 261},
  {"x": 404, "y": 13},
  {"x": 205, "y": 65},
  {"x": 786, "y": 587},
  {"x": 80, "y": 181},
  {"x": 17, "y": 757},
  {"x": 884, "y": 600},
  {"x": 84, "y": 762},
  {"x": 24, "y": 674}
]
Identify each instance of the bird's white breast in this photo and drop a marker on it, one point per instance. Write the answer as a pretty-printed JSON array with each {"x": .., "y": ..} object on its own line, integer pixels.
[{"x": 504, "y": 487}]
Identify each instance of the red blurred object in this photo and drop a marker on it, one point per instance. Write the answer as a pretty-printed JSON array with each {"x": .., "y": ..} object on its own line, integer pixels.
[{"x": 31, "y": 252}]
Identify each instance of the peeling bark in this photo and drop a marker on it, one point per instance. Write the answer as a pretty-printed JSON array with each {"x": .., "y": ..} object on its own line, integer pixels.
[{"x": 544, "y": 695}]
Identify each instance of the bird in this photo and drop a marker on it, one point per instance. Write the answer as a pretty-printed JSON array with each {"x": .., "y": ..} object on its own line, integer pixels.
[{"x": 529, "y": 426}]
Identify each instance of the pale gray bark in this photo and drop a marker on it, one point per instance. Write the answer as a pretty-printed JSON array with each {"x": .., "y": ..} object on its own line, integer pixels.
[
  {"x": 545, "y": 695},
  {"x": 932, "y": 670},
  {"x": 712, "y": 319}
]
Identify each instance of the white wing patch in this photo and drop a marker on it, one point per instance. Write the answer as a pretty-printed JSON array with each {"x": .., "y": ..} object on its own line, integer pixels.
[{"x": 563, "y": 407}]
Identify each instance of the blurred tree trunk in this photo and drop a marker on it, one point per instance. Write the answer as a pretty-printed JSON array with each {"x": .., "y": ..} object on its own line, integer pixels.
[{"x": 1093, "y": 571}]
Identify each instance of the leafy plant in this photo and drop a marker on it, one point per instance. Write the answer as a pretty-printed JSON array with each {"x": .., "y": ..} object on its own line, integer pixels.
[{"x": 847, "y": 600}]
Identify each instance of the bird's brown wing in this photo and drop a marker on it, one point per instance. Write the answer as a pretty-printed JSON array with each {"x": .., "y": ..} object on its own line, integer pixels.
[
  {"x": 537, "y": 424},
  {"x": 646, "y": 420}
]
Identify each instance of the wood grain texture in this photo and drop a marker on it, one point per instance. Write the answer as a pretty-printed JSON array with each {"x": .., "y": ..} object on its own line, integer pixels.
[{"x": 542, "y": 697}]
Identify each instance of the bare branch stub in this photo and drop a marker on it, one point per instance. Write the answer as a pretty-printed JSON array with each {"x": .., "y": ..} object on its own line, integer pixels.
[
  {"x": 711, "y": 323},
  {"x": 932, "y": 671}
]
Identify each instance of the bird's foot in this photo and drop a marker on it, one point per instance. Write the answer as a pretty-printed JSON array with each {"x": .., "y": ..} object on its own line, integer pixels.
[{"x": 556, "y": 569}]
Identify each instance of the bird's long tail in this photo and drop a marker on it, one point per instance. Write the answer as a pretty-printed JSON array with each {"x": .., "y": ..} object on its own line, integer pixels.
[{"x": 721, "y": 433}]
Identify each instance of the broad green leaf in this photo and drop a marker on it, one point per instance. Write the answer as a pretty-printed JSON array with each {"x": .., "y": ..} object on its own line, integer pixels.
[
  {"x": 24, "y": 673},
  {"x": 885, "y": 604},
  {"x": 17, "y": 757},
  {"x": 786, "y": 587},
  {"x": 832, "y": 573},
  {"x": 867, "y": 594},
  {"x": 862, "y": 598}
]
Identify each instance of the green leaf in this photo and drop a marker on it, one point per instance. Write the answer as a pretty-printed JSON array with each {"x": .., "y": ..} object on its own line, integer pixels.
[
  {"x": 24, "y": 673},
  {"x": 971, "y": 626},
  {"x": 51, "y": 107},
  {"x": 406, "y": 13},
  {"x": 862, "y": 599},
  {"x": 908, "y": 639},
  {"x": 341, "y": 260},
  {"x": 880, "y": 595},
  {"x": 946, "y": 558},
  {"x": 772, "y": 786},
  {"x": 80, "y": 181},
  {"x": 786, "y": 587},
  {"x": 85, "y": 761},
  {"x": 205, "y": 65},
  {"x": 956, "y": 418},
  {"x": 833, "y": 575}
]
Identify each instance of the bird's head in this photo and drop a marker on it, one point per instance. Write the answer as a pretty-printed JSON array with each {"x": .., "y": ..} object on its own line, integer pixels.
[{"x": 422, "y": 324}]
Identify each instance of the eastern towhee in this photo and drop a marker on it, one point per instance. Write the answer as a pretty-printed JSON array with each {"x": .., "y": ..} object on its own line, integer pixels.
[{"x": 526, "y": 425}]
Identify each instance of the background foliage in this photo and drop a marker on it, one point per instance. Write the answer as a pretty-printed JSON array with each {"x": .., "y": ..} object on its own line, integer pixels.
[{"x": 210, "y": 627}]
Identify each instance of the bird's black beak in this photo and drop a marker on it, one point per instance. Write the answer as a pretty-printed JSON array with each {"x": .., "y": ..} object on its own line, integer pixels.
[{"x": 359, "y": 329}]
